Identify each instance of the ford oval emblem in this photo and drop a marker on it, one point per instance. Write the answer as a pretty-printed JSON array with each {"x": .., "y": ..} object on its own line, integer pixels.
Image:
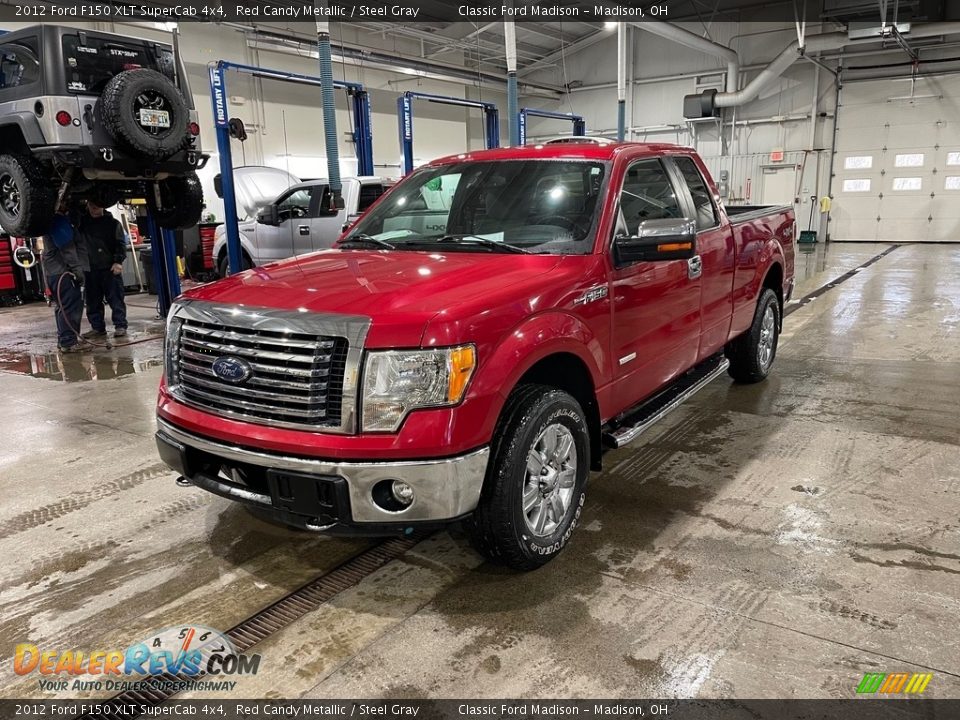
[{"x": 231, "y": 369}]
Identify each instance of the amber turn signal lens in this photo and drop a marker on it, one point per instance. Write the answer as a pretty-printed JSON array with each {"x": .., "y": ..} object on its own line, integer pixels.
[
  {"x": 674, "y": 247},
  {"x": 462, "y": 362}
]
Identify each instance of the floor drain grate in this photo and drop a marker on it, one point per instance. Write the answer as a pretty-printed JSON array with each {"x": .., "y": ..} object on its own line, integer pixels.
[{"x": 267, "y": 622}]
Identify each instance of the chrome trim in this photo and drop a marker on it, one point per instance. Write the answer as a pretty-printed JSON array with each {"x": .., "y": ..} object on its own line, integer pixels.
[
  {"x": 694, "y": 267},
  {"x": 352, "y": 327},
  {"x": 625, "y": 435},
  {"x": 443, "y": 489}
]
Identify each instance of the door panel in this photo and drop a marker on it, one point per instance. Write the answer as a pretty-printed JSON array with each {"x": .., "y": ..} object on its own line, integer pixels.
[
  {"x": 715, "y": 246},
  {"x": 656, "y": 305}
]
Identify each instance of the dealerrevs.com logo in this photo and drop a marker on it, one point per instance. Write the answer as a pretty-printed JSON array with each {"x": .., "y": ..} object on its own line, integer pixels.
[
  {"x": 891, "y": 683},
  {"x": 185, "y": 653}
]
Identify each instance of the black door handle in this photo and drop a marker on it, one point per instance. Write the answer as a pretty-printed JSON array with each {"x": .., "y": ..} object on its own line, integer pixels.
[{"x": 304, "y": 229}]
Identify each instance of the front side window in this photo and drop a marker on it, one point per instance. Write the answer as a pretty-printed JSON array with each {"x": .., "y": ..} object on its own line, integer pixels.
[
  {"x": 90, "y": 65},
  {"x": 296, "y": 205},
  {"x": 18, "y": 66},
  {"x": 706, "y": 213},
  {"x": 369, "y": 193},
  {"x": 647, "y": 194},
  {"x": 538, "y": 206}
]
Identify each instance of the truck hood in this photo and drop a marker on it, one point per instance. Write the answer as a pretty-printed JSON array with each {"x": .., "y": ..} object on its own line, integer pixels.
[{"x": 399, "y": 291}]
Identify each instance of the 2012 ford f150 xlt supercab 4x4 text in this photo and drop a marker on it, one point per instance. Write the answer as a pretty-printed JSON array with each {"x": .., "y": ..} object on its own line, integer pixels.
[{"x": 473, "y": 343}]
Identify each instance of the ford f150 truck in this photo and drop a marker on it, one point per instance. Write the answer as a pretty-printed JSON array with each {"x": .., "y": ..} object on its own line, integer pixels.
[{"x": 473, "y": 343}]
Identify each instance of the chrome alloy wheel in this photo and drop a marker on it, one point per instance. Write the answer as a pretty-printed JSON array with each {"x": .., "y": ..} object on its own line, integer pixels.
[
  {"x": 550, "y": 478},
  {"x": 9, "y": 195},
  {"x": 768, "y": 333}
]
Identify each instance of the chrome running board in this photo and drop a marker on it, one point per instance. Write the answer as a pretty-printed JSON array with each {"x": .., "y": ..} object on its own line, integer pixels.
[{"x": 637, "y": 421}]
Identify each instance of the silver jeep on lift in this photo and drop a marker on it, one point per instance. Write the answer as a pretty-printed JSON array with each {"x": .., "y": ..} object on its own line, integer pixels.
[{"x": 94, "y": 115}]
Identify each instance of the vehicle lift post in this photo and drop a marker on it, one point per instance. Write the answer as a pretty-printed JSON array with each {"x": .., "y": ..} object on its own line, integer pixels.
[
  {"x": 362, "y": 135},
  {"x": 405, "y": 117},
  {"x": 163, "y": 250},
  {"x": 579, "y": 124}
]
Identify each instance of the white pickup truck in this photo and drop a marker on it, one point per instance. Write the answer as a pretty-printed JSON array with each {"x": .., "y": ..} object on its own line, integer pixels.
[{"x": 293, "y": 222}]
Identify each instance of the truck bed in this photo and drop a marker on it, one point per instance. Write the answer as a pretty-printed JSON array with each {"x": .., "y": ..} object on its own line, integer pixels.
[{"x": 745, "y": 213}]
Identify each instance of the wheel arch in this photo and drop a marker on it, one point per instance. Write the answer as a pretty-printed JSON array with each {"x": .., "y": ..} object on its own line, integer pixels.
[{"x": 566, "y": 371}]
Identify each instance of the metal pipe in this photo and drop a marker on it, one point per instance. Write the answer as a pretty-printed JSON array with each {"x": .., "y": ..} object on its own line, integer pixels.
[
  {"x": 329, "y": 111},
  {"x": 621, "y": 81},
  {"x": 815, "y": 44},
  {"x": 833, "y": 144},
  {"x": 813, "y": 107},
  {"x": 513, "y": 100},
  {"x": 694, "y": 41}
]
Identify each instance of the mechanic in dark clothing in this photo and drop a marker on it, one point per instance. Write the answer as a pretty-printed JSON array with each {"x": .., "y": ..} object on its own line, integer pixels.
[
  {"x": 102, "y": 236},
  {"x": 63, "y": 265}
]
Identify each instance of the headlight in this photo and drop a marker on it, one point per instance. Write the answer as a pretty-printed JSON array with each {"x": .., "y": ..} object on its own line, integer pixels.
[
  {"x": 398, "y": 381},
  {"x": 171, "y": 345}
]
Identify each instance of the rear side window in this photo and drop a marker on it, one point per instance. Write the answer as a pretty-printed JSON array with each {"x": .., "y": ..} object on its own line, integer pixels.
[
  {"x": 91, "y": 64},
  {"x": 648, "y": 194},
  {"x": 706, "y": 213},
  {"x": 18, "y": 66},
  {"x": 368, "y": 196}
]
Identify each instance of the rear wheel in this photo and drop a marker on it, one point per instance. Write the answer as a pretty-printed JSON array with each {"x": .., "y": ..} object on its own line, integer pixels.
[
  {"x": 751, "y": 355},
  {"x": 534, "y": 490},
  {"x": 26, "y": 197},
  {"x": 180, "y": 204}
]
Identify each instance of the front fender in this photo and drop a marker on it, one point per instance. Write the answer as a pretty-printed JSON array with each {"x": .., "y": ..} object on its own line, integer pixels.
[
  {"x": 527, "y": 344},
  {"x": 221, "y": 243}
]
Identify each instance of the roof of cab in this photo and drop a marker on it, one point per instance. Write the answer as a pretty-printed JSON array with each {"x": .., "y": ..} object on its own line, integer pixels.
[{"x": 565, "y": 150}]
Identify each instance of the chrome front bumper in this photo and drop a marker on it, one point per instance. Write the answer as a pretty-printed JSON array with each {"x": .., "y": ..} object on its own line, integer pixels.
[{"x": 443, "y": 489}]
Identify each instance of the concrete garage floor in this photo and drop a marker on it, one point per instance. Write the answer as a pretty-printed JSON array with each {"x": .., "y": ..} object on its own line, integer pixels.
[{"x": 778, "y": 540}]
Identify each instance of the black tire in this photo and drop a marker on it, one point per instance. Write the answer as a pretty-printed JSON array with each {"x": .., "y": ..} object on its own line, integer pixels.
[
  {"x": 223, "y": 265},
  {"x": 499, "y": 527},
  {"x": 752, "y": 354},
  {"x": 181, "y": 202},
  {"x": 119, "y": 112},
  {"x": 27, "y": 197}
]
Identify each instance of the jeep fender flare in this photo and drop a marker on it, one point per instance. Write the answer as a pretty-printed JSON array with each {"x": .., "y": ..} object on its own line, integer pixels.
[{"x": 27, "y": 124}]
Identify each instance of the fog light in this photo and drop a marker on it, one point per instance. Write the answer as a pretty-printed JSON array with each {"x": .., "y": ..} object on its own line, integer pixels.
[
  {"x": 402, "y": 492},
  {"x": 194, "y": 129},
  {"x": 63, "y": 118}
]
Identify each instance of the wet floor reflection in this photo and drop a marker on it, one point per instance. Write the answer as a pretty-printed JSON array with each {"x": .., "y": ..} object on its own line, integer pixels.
[{"x": 100, "y": 364}]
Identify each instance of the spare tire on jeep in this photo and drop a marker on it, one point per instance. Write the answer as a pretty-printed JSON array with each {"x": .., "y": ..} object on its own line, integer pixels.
[
  {"x": 180, "y": 204},
  {"x": 26, "y": 197},
  {"x": 145, "y": 113}
]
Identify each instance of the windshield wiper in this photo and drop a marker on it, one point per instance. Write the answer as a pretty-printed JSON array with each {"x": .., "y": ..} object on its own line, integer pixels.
[
  {"x": 485, "y": 242},
  {"x": 364, "y": 239}
]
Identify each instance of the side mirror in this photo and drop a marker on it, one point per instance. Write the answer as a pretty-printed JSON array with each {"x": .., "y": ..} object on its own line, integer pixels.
[
  {"x": 268, "y": 216},
  {"x": 663, "y": 239}
]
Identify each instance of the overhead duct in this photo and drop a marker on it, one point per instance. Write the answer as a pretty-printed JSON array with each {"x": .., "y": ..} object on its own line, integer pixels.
[
  {"x": 329, "y": 111},
  {"x": 621, "y": 81},
  {"x": 695, "y": 42},
  {"x": 513, "y": 103},
  {"x": 707, "y": 103}
]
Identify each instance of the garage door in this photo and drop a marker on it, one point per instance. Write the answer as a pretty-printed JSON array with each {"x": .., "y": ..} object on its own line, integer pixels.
[{"x": 897, "y": 168}]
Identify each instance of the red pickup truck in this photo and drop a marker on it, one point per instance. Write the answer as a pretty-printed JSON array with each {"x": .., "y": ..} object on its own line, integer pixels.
[{"x": 473, "y": 343}]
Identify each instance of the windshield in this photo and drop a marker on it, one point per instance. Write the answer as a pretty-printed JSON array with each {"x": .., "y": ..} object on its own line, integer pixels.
[
  {"x": 90, "y": 65},
  {"x": 538, "y": 206}
]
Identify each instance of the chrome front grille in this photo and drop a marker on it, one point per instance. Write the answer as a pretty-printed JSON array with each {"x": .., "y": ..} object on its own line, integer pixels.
[{"x": 293, "y": 376}]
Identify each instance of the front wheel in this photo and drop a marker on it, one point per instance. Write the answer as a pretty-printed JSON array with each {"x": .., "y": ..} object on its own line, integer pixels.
[
  {"x": 751, "y": 355},
  {"x": 26, "y": 197},
  {"x": 534, "y": 490}
]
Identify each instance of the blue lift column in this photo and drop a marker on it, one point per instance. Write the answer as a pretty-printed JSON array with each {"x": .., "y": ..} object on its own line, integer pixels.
[
  {"x": 165, "y": 275},
  {"x": 362, "y": 128},
  {"x": 579, "y": 124},
  {"x": 405, "y": 118}
]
